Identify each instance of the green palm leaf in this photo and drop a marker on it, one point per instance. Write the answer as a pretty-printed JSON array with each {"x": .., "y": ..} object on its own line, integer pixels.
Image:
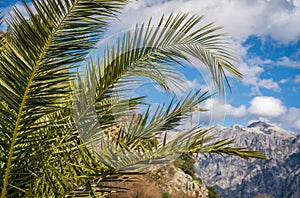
[
  {"x": 35, "y": 74},
  {"x": 151, "y": 51},
  {"x": 144, "y": 52},
  {"x": 169, "y": 42}
]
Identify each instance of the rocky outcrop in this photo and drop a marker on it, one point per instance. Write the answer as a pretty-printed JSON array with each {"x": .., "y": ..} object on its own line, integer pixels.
[
  {"x": 173, "y": 180},
  {"x": 277, "y": 177},
  {"x": 168, "y": 181}
]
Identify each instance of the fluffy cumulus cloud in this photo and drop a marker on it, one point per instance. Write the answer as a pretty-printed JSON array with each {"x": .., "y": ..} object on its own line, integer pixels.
[
  {"x": 236, "y": 112},
  {"x": 218, "y": 108},
  {"x": 273, "y": 110},
  {"x": 252, "y": 77},
  {"x": 260, "y": 107},
  {"x": 277, "y": 18},
  {"x": 266, "y": 106}
]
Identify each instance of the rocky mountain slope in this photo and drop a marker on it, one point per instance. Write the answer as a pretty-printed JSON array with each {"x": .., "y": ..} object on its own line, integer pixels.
[
  {"x": 168, "y": 181},
  {"x": 277, "y": 177}
]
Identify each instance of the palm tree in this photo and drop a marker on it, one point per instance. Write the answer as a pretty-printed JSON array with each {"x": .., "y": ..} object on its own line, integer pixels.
[{"x": 53, "y": 119}]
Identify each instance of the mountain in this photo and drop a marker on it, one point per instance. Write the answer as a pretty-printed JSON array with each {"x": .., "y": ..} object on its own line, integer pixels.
[{"x": 277, "y": 177}]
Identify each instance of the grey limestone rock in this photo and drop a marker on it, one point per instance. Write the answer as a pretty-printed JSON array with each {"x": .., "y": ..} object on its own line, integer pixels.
[{"x": 278, "y": 177}]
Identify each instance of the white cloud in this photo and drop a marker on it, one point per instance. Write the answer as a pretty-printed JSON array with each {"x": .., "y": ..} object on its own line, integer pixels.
[
  {"x": 291, "y": 116},
  {"x": 277, "y": 18},
  {"x": 267, "y": 109},
  {"x": 214, "y": 116},
  {"x": 269, "y": 84},
  {"x": 297, "y": 125},
  {"x": 284, "y": 23},
  {"x": 258, "y": 61},
  {"x": 297, "y": 78},
  {"x": 252, "y": 69},
  {"x": 282, "y": 61},
  {"x": 252, "y": 77},
  {"x": 283, "y": 81},
  {"x": 266, "y": 106},
  {"x": 261, "y": 108},
  {"x": 218, "y": 109},
  {"x": 287, "y": 62},
  {"x": 251, "y": 74},
  {"x": 290, "y": 120},
  {"x": 236, "y": 112}
]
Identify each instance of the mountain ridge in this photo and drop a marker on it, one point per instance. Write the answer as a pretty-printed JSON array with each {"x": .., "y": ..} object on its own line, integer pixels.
[{"x": 279, "y": 176}]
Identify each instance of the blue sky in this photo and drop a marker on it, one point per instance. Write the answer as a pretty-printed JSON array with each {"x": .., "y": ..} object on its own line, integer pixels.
[{"x": 266, "y": 37}]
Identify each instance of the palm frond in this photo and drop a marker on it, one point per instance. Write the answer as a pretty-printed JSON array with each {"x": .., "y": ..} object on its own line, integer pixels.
[
  {"x": 147, "y": 50},
  {"x": 150, "y": 49},
  {"x": 176, "y": 35},
  {"x": 205, "y": 144},
  {"x": 35, "y": 76}
]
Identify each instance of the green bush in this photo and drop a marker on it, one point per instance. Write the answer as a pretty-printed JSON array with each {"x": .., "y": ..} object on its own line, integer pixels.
[
  {"x": 165, "y": 195},
  {"x": 212, "y": 192},
  {"x": 186, "y": 163}
]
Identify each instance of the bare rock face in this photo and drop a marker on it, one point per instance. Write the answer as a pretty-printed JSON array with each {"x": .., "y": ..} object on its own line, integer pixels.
[
  {"x": 168, "y": 179},
  {"x": 277, "y": 177},
  {"x": 173, "y": 180}
]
